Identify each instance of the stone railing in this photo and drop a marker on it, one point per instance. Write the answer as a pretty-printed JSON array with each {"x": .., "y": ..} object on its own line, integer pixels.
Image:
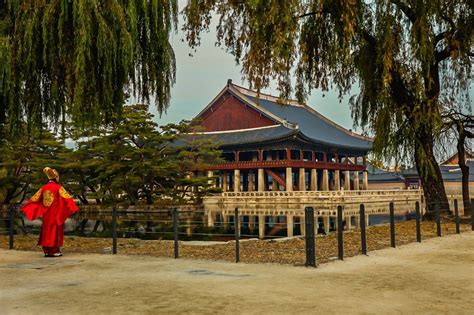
[{"x": 323, "y": 194}]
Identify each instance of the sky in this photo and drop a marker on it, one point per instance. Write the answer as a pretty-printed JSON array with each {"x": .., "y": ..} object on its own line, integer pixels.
[{"x": 201, "y": 77}]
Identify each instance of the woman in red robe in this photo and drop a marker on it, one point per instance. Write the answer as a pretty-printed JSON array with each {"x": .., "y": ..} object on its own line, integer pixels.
[{"x": 55, "y": 205}]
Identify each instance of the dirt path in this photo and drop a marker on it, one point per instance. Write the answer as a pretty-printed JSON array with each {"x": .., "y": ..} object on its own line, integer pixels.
[{"x": 436, "y": 276}]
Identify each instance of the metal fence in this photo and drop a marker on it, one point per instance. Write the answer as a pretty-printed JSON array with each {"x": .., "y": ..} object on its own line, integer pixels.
[{"x": 178, "y": 224}]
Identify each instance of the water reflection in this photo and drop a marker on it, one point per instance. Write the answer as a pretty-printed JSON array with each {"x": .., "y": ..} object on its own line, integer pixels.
[{"x": 217, "y": 223}]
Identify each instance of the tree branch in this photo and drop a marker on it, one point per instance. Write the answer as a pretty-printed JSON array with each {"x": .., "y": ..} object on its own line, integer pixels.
[{"x": 406, "y": 9}]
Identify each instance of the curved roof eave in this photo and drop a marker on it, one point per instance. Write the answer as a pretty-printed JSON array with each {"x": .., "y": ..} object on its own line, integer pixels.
[{"x": 339, "y": 146}]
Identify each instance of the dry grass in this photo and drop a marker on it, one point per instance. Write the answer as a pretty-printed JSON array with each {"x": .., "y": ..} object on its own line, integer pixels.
[{"x": 290, "y": 251}]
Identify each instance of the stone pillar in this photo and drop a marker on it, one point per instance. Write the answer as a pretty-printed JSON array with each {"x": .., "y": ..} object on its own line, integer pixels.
[
  {"x": 302, "y": 226},
  {"x": 357, "y": 222},
  {"x": 356, "y": 180},
  {"x": 251, "y": 222},
  {"x": 326, "y": 224},
  {"x": 189, "y": 228},
  {"x": 210, "y": 219},
  {"x": 225, "y": 220},
  {"x": 302, "y": 180},
  {"x": 224, "y": 182},
  {"x": 316, "y": 223},
  {"x": 261, "y": 226},
  {"x": 251, "y": 181},
  {"x": 325, "y": 180},
  {"x": 261, "y": 179},
  {"x": 289, "y": 225},
  {"x": 349, "y": 223},
  {"x": 365, "y": 181},
  {"x": 314, "y": 180},
  {"x": 236, "y": 180},
  {"x": 289, "y": 179},
  {"x": 347, "y": 180},
  {"x": 337, "y": 180}
]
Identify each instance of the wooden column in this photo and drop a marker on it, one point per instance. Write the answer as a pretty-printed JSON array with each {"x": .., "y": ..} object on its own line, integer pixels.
[
  {"x": 261, "y": 179},
  {"x": 224, "y": 181},
  {"x": 356, "y": 180},
  {"x": 337, "y": 180},
  {"x": 236, "y": 180},
  {"x": 347, "y": 180},
  {"x": 314, "y": 180},
  {"x": 325, "y": 185},
  {"x": 289, "y": 179},
  {"x": 302, "y": 180},
  {"x": 365, "y": 181},
  {"x": 251, "y": 181}
]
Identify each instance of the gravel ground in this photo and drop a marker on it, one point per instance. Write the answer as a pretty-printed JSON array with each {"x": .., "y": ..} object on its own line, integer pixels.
[
  {"x": 434, "y": 277},
  {"x": 285, "y": 251}
]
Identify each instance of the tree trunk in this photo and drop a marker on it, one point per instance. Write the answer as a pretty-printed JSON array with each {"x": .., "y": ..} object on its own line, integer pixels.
[
  {"x": 430, "y": 175},
  {"x": 464, "y": 171}
]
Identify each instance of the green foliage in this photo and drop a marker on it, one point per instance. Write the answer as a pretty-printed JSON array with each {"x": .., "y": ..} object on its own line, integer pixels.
[
  {"x": 22, "y": 160},
  {"x": 79, "y": 59},
  {"x": 133, "y": 161}
]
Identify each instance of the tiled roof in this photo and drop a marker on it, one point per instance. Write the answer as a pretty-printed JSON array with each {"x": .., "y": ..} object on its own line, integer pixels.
[
  {"x": 246, "y": 136},
  {"x": 387, "y": 177},
  {"x": 313, "y": 125},
  {"x": 451, "y": 173}
]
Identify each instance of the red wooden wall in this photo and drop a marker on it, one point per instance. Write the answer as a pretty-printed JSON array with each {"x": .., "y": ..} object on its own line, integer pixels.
[{"x": 230, "y": 114}]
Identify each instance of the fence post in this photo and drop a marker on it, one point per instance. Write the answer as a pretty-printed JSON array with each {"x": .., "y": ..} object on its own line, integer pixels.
[
  {"x": 237, "y": 236},
  {"x": 392, "y": 225},
  {"x": 456, "y": 216},
  {"x": 11, "y": 229},
  {"x": 363, "y": 237},
  {"x": 175, "y": 232},
  {"x": 418, "y": 223},
  {"x": 310, "y": 237},
  {"x": 438, "y": 220},
  {"x": 340, "y": 240},
  {"x": 114, "y": 231},
  {"x": 472, "y": 214}
]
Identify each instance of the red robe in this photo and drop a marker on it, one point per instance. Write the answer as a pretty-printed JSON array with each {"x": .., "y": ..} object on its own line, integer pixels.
[{"x": 55, "y": 205}]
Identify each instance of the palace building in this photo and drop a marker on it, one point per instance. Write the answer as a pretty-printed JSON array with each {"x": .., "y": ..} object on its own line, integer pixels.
[{"x": 270, "y": 145}]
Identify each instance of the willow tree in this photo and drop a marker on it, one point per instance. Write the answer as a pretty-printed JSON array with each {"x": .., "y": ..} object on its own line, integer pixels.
[
  {"x": 79, "y": 60},
  {"x": 407, "y": 56}
]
